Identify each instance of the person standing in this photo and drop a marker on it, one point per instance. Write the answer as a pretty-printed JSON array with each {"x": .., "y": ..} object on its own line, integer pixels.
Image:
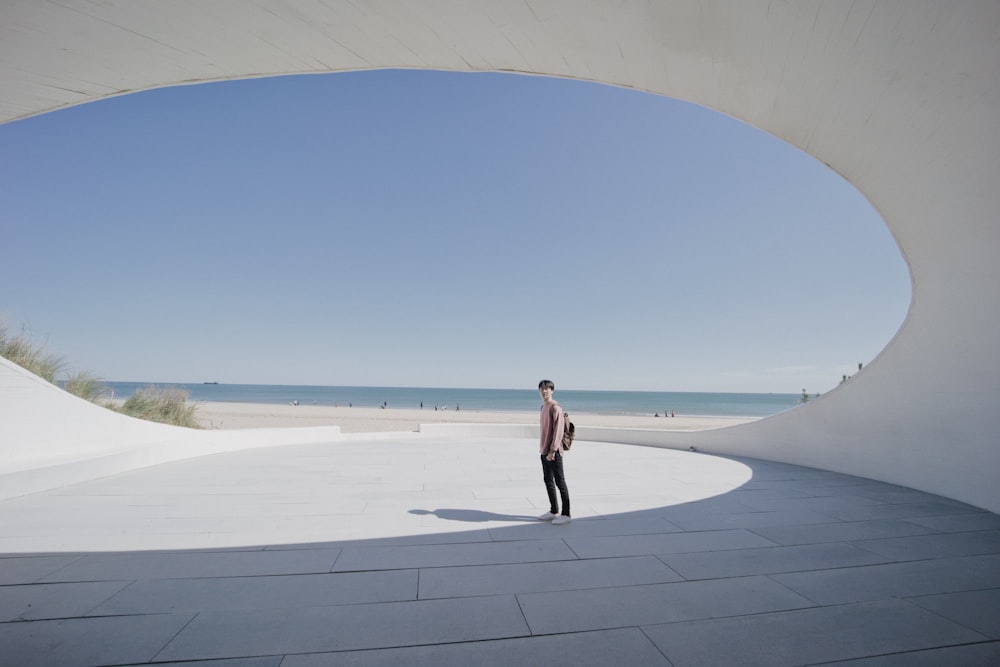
[{"x": 552, "y": 423}]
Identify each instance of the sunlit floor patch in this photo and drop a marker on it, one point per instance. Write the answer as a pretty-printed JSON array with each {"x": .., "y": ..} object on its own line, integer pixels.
[{"x": 354, "y": 489}]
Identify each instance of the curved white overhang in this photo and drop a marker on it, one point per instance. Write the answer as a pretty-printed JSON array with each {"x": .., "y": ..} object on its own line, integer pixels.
[{"x": 900, "y": 97}]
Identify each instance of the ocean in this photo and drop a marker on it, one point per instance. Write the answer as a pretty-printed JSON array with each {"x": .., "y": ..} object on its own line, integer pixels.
[{"x": 502, "y": 400}]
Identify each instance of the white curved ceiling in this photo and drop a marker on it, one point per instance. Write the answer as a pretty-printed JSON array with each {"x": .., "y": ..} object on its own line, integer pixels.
[{"x": 900, "y": 97}]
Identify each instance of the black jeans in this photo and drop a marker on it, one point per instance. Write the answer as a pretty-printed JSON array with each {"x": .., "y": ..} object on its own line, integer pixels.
[{"x": 552, "y": 474}]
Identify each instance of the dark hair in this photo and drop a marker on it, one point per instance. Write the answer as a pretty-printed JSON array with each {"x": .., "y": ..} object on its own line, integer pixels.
[{"x": 547, "y": 384}]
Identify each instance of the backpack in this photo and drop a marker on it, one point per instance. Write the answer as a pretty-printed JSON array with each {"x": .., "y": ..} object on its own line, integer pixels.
[{"x": 569, "y": 432}]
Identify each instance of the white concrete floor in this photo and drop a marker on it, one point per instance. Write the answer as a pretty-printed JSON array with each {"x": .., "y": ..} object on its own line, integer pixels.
[{"x": 420, "y": 549}]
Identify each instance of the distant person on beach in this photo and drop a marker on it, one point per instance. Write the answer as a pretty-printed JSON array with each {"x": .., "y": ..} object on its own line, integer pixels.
[{"x": 552, "y": 422}]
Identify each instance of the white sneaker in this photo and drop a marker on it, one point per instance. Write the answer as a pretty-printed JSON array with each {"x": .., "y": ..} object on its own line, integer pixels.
[
  {"x": 548, "y": 516},
  {"x": 561, "y": 519}
]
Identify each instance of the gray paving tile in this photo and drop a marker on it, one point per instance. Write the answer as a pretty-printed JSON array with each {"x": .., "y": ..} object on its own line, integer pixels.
[
  {"x": 909, "y": 579},
  {"x": 819, "y": 484},
  {"x": 718, "y": 505},
  {"x": 968, "y": 655},
  {"x": 840, "y": 532},
  {"x": 510, "y": 489},
  {"x": 268, "y": 632},
  {"x": 263, "y": 661},
  {"x": 206, "y": 506},
  {"x": 919, "y": 547},
  {"x": 807, "y": 636},
  {"x": 41, "y": 601},
  {"x": 610, "y": 505},
  {"x": 537, "y": 577},
  {"x": 468, "y": 515},
  {"x": 751, "y": 520},
  {"x": 86, "y": 642},
  {"x": 576, "y": 611},
  {"x": 585, "y": 527},
  {"x": 29, "y": 569},
  {"x": 493, "y": 553},
  {"x": 179, "y": 565},
  {"x": 898, "y": 511},
  {"x": 775, "y": 471},
  {"x": 269, "y": 592},
  {"x": 627, "y": 646},
  {"x": 645, "y": 545},
  {"x": 887, "y": 493},
  {"x": 957, "y": 523},
  {"x": 458, "y": 537},
  {"x": 788, "y": 491},
  {"x": 823, "y": 504},
  {"x": 979, "y": 610},
  {"x": 769, "y": 560}
]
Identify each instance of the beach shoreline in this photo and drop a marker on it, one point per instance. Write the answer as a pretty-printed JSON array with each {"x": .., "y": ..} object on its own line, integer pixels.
[{"x": 232, "y": 415}]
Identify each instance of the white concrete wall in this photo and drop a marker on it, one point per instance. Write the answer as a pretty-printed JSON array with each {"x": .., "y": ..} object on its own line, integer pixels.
[
  {"x": 50, "y": 438},
  {"x": 41, "y": 424},
  {"x": 901, "y": 97}
]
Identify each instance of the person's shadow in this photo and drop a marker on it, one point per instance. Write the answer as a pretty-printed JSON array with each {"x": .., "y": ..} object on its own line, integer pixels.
[{"x": 473, "y": 515}]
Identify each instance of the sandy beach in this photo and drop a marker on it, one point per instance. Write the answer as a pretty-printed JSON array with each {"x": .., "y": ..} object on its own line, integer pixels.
[{"x": 371, "y": 420}]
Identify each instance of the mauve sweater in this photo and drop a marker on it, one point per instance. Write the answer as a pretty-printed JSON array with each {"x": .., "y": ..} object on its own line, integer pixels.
[{"x": 551, "y": 425}]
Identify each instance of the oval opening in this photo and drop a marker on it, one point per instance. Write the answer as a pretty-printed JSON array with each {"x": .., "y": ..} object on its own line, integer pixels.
[{"x": 422, "y": 228}]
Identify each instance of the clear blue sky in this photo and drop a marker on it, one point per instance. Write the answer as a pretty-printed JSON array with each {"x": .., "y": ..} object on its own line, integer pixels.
[{"x": 411, "y": 228}]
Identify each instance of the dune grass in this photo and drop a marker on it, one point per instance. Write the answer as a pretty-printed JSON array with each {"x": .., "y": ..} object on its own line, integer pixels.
[
  {"x": 85, "y": 385},
  {"x": 152, "y": 404},
  {"x": 30, "y": 355},
  {"x": 166, "y": 406}
]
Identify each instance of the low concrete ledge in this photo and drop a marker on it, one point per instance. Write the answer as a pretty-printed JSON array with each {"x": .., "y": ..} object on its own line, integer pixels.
[
  {"x": 608, "y": 434},
  {"x": 233, "y": 439},
  {"x": 480, "y": 430},
  {"x": 636, "y": 436},
  {"x": 54, "y": 474}
]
